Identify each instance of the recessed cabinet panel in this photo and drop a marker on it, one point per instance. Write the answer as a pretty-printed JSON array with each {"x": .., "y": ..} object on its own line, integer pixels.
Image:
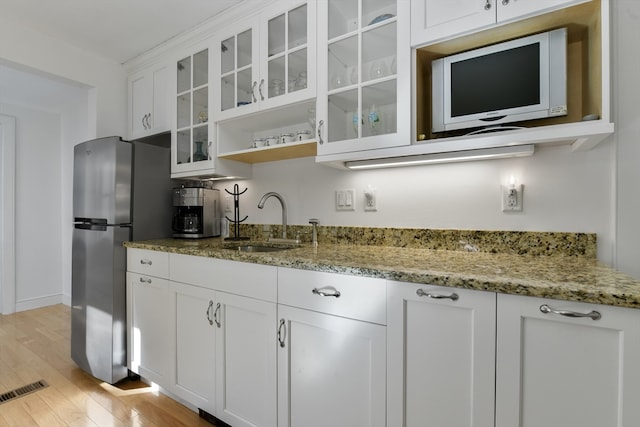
[{"x": 566, "y": 363}]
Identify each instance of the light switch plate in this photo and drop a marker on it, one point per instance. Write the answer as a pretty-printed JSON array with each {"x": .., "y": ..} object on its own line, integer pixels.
[{"x": 346, "y": 200}]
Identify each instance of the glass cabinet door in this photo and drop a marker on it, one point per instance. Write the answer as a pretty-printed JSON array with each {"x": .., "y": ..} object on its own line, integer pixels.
[
  {"x": 238, "y": 88},
  {"x": 362, "y": 81},
  {"x": 193, "y": 143},
  {"x": 286, "y": 70}
]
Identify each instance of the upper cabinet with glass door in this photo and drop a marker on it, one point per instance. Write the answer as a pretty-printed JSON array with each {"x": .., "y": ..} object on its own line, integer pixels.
[
  {"x": 267, "y": 61},
  {"x": 193, "y": 147},
  {"x": 364, "y": 83},
  {"x": 192, "y": 142}
]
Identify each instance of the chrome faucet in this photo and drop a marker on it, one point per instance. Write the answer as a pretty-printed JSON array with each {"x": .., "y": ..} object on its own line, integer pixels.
[
  {"x": 284, "y": 209},
  {"x": 314, "y": 232}
]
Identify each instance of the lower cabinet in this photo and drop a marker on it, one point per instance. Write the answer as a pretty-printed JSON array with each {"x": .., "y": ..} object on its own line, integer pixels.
[
  {"x": 331, "y": 370},
  {"x": 256, "y": 345},
  {"x": 557, "y": 369},
  {"x": 194, "y": 318},
  {"x": 149, "y": 340},
  {"x": 331, "y": 350},
  {"x": 441, "y": 356},
  {"x": 245, "y": 361}
]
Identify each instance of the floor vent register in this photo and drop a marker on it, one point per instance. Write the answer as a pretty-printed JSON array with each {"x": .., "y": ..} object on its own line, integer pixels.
[{"x": 22, "y": 391}]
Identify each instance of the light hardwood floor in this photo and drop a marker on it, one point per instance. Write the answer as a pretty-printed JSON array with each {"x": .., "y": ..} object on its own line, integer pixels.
[{"x": 35, "y": 345}]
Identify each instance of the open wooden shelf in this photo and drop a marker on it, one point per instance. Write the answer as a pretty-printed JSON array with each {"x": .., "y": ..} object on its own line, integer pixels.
[{"x": 291, "y": 150}]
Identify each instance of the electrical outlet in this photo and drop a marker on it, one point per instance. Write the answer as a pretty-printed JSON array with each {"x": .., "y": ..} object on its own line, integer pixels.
[
  {"x": 512, "y": 198},
  {"x": 346, "y": 200},
  {"x": 370, "y": 200},
  {"x": 228, "y": 204}
]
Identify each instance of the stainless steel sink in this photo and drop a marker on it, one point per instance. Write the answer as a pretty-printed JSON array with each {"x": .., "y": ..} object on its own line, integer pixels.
[{"x": 258, "y": 248}]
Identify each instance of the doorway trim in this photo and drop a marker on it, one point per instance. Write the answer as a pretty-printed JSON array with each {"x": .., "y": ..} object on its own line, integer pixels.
[{"x": 7, "y": 215}]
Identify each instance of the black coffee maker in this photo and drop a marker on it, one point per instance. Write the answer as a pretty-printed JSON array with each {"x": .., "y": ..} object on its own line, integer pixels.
[{"x": 196, "y": 212}]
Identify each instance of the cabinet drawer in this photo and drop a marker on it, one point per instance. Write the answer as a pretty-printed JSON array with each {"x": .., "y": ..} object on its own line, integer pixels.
[
  {"x": 151, "y": 263},
  {"x": 240, "y": 278},
  {"x": 361, "y": 298}
]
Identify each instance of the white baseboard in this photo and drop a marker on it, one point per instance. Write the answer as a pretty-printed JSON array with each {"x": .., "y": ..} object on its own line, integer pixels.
[{"x": 40, "y": 302}]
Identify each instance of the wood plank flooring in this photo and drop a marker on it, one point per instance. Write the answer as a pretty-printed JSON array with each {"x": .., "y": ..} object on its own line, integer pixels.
[{"x": 35, "y": 345}]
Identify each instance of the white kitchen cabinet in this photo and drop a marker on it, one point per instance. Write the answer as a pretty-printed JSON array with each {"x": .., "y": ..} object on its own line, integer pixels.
[
  {"x": 441, "y": 356},
  {"x": 266, "y": 84},
  {"x": 149, "y": 101},
  {"x": 266, "y": 60},
  {"x": 193, "y": 145},
  {"x": 149, "y": 343},
  {"x": 433, "y": 20},
  {"x": 555, "y": 369},
  {"x": 331, "y": 368},
  {"x": 364, "y": 77},
  {"x": 150, "y": 347},
  {"x": 225, "y": 335},
  {"x": 246, "y": 361},
  {"x": 194, "y": 318}
]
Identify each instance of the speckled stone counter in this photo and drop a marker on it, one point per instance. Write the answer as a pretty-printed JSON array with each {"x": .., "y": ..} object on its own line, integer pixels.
[{"x": 569, "y": 277}]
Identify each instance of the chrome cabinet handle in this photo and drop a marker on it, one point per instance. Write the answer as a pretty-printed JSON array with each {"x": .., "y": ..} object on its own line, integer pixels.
[
  {"x": 282, "y": 332},
  {"x": 594, "y": 315},
  {"x": 320, "y": 125},
  {"x": 322, "y": 293},
  {"x": 487, "y": 5},
  {"x": 209, "y": 312},
  {"x": 145, "y": 280},
  {"x": 452, "y": 296},
  {"x": 215, "y": 316},
  {"x": 146, "y": 262},
  {"x": 260, "y": 90},
  {"x": 144, "y": 124},
  {"x": 148, "y": 121},
  {"x": 209, "y": 150},
  {"x": 253, "y": 91}
]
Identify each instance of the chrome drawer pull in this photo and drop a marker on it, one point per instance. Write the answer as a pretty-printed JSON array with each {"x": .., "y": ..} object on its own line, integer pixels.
[
  {"x": 145, "y": 280},
  {"x": 453, "y": 296},
  {"x": 215, "y": 315},
  {"x": 332, "y": 293},
  {"x": 209, "y": 312},
  {"x": 146, "y": 262},
  {"x": 282, "y": 332},
  {"x": 594, "y": 315}
]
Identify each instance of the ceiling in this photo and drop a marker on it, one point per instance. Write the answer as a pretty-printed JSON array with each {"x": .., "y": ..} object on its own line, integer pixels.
[{"x": 116, "y": 29}]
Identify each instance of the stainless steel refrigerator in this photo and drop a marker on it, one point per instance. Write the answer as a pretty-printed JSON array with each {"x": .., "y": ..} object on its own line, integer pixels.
[{"x": 121, "y": 191}]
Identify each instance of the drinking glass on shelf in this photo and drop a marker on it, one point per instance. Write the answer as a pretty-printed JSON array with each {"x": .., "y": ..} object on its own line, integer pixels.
[
  {"x": 311, "y": 117},
  {"x": 374, "y": 119},
  {"x": 356, "y": 121},
  {"x": 337, "y": 80},
  {"x": 378, "y": 70},
  {"x": 301, "y": 83}
]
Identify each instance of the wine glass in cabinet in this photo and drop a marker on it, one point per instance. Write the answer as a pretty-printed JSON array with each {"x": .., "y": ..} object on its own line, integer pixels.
[
  {"x": 192, "y": 142},
  {"x": 364, "y": 85}
]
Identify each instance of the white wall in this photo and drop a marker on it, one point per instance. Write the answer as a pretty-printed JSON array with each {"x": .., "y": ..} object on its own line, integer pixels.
[
  {"x": 626, "y": 72},
  {"x": 563, "y": 191},
  {"x": 100, "y": 111},
  {"x": 38, "y": 204},
  {"x": 50, "y": 115}
]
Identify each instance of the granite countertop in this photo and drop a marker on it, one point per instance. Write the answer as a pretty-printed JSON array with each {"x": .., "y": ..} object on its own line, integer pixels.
[{"x": 565, "y": 277}]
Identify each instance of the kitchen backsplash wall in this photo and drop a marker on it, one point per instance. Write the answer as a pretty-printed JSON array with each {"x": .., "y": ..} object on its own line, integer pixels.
[
  {"x": 563, "y": 192},
  {"x": 505, "y": 242}
]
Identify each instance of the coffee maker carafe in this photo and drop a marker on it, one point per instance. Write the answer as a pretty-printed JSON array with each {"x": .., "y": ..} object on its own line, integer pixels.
[{"x": 196, "y": 212}]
